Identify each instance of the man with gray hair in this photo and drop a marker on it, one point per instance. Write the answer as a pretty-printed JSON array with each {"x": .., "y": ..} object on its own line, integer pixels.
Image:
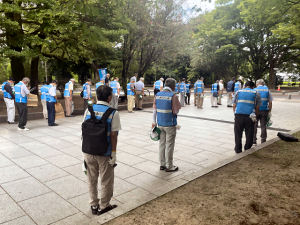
[
  {"x": 139, "y": 94},
  {"x": 165, "y": 109},
  {"x": 264, "y": 110},
  {"x": 21, "y": 93}
]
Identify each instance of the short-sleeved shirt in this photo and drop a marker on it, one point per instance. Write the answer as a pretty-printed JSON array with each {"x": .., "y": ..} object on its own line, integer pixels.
[
  {"x": 139, "y": 86},
  {"x": 52, "y": 90},
  {"x": 24, "y": 90},
  {"x": 115, "y": 123}
]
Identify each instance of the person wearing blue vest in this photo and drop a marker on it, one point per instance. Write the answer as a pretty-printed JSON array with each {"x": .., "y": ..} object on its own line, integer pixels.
[
  {"x": 116, "y": 92},
  {"x": 8, "y": 95},
  {"x": 87, "y": 93},
  {"x": 21, "y": 93},
  {"x": 68, "y": 96},
  {"x": 158, "y": 85},
  {"x": 237, "y": 86},
  {"x": 245, "y": 105},
  {"x": 214, "y": 94},
  {"x": 103, "y": 165},
  {"x": 230, "y": 91},
  {"x": 130, "y": 95},
  {"x": 177, "y": 88},
  {"x": 51, "y": 101},
  {"x": 264, "y": 110},
  {"x": 165, "y": 109},
  {"x": 188, "y": 93},
  {"x": 44, "y": 93},
  {"x": 100, "y": 83},
  {"x": 199, "y": 93},
  {"x": 182, "y": 91}
]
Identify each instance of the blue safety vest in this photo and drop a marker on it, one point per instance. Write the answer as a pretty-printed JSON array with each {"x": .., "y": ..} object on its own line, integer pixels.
[
  {"x": 157, "y": 84},
  {"x": 67, "y": 91},
  {"x": 44, "y": 91},
  {"x": 85, "y": 93},
  {"x": 181, "y": 87},
  {"x": 198, "y": 87},
  {"x": 187, "y": 87},
  {"x": 113, "y": 85},
  {"x": 237, "y": 86},
  {"x": 245, "y": 101},
  {"x": 18, "y": 97},
  {"x": 214, "y": 88},
  {"x": 129, "y": 91},
  {"x": 50, "y": 98},
  {"x": 98, "y": 84},
  {"x": 176, "y": 87},
  {"x": 264, "y": 95},
  {"x": 99, "y": 111},
  {"x": 5, "y": 93},
  {"x": 165, "y": 116}
]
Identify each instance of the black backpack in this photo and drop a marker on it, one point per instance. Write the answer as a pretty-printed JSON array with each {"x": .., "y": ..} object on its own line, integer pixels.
[
  {"x": 287, "y": 137},
  {"x": 94, "y": 133}
]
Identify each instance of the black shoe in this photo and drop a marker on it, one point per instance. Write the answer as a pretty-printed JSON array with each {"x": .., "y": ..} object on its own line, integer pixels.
[
  {"x": 172, "y": 169},
  {"x": 162, "y": 168},
  {"x": 53, "y": 125},
  {"x": 108, "y": 208},
  {"x": 95, "y": 209}
]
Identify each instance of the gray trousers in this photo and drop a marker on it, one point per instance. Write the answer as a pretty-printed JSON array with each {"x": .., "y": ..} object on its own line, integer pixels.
[
  {"x": 199, "y": 100},
  {"x": 182, "y": 98},
  {"x": 166, "y": 145},
  {"x": 114, "y": 101},
  {"x": 262, "y": 117}
]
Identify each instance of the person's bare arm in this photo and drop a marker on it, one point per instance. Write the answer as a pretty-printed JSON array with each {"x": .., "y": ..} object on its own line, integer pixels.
[
  {"x": 270, "y": 106},
  {"x": 114, "y": 140}
]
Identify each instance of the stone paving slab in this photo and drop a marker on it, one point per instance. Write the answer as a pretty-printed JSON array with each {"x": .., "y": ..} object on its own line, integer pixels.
[{"x": 41, "y": 181}]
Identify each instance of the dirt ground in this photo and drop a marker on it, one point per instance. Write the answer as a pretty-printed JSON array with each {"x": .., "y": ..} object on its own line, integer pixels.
[{"x": 262, "y": 188}]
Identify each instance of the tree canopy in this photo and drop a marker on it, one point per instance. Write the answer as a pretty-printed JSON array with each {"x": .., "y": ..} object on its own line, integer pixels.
[{"x": 154, "y": 38}]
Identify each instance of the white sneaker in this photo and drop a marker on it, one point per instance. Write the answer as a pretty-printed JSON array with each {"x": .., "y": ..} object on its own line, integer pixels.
[{"x": 24, "y": 129}]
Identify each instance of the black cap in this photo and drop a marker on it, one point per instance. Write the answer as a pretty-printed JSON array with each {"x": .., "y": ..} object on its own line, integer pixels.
[{"x": 12, "y": 79}]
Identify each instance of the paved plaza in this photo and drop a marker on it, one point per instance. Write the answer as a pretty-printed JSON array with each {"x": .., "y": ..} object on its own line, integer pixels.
[{"x": 41, "y": 181}]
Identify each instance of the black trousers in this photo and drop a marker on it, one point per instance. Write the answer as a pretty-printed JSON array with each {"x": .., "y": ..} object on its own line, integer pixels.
[
  {"x": 241, "y": 123},
  {"x": 51, "y": 112},
  {"x": 85, "y": 104},
  {"x": 187, "y": 98},
  {"x": 22, "y": 111}
]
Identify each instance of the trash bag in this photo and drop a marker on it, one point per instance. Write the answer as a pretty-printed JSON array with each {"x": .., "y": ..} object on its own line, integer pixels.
[
  {"x": 287, "y": 137},
  {"x": 155, "y": 134},
  {"x": 59, "y": 111}
]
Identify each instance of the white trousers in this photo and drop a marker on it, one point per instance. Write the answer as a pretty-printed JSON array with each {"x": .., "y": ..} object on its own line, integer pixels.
[
  {"x": 214, "y": 100},
  {"x": 10, "y": 106}
]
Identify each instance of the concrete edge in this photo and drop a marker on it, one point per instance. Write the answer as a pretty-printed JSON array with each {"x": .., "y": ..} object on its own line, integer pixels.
[{"x": 199, "y": 174}]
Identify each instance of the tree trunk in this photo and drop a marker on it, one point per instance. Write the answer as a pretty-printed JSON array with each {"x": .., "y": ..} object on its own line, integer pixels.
[
  {"x": 17, "y": 68},
  {"x": 34, "y": 74},
  {"x": 272, "y": 75}
]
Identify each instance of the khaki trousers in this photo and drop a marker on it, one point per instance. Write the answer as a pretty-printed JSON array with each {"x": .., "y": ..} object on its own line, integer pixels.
[
  {"x": 130, "y": 102},
  {"x": 45, "y": 111},
  {"x": 199, "y": 100},
  {"x": 182, "y": 98},
  {"x": 229, "y": 98},
  {"x": 98, "y": 165},
  {"x": 10, "y": 107},
  {"x": 220, "y": 97},
  {"x": 68, "y": 104},
  {"x": 139, "y": 100},
  {"x": 166, "y": 145}
]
